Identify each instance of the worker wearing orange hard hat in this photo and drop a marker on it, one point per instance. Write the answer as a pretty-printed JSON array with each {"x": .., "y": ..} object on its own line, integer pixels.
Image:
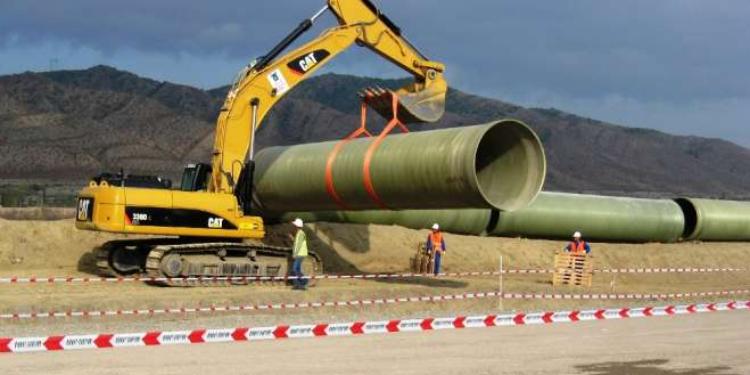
[{"x": 436, "y": 245}]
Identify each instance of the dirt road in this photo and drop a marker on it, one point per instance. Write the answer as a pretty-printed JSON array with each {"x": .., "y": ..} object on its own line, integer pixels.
[
  {"x": 698, "y": 344},
  {"x": 57, "y": 248}
]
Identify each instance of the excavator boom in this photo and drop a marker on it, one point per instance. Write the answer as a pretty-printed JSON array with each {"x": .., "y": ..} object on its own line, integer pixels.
[{"x": 261, "y": 85}]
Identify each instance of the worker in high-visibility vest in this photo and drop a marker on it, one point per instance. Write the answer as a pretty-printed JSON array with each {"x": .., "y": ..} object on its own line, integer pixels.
[
  {"x": 436, "y": 245},
  {"x": 299, "y": 253},
  {"x": 578, "y": 245}
]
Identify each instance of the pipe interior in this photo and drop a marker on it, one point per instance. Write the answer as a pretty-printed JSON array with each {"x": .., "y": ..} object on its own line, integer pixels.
[
  {"x": 509, "y": 166},
  {"x": 691, "y": 216},
  {"x": 494, "y": 219}
]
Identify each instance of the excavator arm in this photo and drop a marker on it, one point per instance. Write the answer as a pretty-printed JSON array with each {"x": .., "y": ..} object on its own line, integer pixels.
[{"x": 260, "y": 85}]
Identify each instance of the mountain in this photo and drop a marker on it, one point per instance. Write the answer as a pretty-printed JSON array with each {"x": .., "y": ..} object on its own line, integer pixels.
[{"x": 70, "y": 125}]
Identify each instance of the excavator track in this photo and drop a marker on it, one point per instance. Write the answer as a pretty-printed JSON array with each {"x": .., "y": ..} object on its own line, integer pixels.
[
  {"x": 126, "y": 257},
  {"x": 175, "y": 262}
]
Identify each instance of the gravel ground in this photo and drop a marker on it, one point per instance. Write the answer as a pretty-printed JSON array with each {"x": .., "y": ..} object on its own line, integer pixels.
[{"x": 711, "y": 343}]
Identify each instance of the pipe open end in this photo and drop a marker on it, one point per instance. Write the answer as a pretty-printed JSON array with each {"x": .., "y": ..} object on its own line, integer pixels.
[
  {"x": 510, "y": 165},
  {"x": 690, "y": 213}
]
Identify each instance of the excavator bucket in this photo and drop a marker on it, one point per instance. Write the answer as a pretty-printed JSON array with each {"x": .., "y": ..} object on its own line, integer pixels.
[{"x": 416, "y": 103}]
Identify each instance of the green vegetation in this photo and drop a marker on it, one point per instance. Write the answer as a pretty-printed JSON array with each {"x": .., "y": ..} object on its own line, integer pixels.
[{"x": 20, "y": 194}]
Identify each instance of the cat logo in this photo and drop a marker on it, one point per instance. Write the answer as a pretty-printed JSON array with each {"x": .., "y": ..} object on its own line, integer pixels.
[
  {"x": 308, "y": 62},
  {"x": 304, "y": 63},
  {"x": 215, "y": 222}
]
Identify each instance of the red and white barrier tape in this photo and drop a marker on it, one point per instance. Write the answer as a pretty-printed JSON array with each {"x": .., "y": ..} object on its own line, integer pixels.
[
  {"x": 667, "y": 270},
  {"x": 367, "y": 302},
  {"x": 72, "y": 279},
  {"x": 67, "y": 279},
  {"x": 199, "y": 336}
]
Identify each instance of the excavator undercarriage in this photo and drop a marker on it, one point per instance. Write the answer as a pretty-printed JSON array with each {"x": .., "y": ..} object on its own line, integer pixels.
[{"x": 195, "y": 261}]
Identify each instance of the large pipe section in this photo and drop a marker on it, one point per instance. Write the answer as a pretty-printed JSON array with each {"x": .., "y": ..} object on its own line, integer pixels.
[
  {"x": 551, "y": 215},
  {"x": 497, "y": 165},
  {"x": 715, "y": 220},
  {"x": 558, "y": 215}
]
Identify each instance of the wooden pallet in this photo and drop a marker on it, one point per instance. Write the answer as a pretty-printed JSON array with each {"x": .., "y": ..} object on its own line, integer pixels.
[
  {"x": 573, "y": 269},
  {"x": 422, "y": 261}
]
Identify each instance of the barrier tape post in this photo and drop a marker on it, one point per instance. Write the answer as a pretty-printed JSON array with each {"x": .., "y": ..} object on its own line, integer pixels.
[{"x": 500, "y": 286}]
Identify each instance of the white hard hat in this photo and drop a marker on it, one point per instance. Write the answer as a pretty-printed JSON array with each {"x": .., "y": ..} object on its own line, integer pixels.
[
  {"x": 298, "y": 223},
  {"x": 577, "y": 234},
  {"x": 435, "y": 226}
]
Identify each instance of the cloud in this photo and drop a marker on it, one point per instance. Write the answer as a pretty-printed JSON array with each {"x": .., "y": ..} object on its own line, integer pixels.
[
  {"x": 670, "y": 56},
  {"x": 716, "y": 118},
  {"x": 165, "y": 26},
  {"x": 196, "y": 70}
]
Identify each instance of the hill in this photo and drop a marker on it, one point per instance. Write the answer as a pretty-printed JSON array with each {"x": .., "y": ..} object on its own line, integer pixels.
[{"x": 70, "y": 125}]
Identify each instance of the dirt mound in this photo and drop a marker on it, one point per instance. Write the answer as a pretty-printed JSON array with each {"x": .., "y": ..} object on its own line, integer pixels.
[
  {"x": 34, "y": 246},
  {"x": 31, "y": 244}
]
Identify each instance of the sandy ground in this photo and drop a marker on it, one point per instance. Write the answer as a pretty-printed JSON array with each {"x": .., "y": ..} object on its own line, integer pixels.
[
  {"x": 686, "y": 345},
  {"x": 46, "y": 248},
  {"x": 55, "y": 247}
]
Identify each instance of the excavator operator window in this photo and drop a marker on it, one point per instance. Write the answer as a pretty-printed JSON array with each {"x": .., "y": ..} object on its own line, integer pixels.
[{"x": 195, "y": 177}]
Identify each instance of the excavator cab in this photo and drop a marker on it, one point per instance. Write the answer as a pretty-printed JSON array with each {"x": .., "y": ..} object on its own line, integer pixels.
[{"x": 195, "y": 177}]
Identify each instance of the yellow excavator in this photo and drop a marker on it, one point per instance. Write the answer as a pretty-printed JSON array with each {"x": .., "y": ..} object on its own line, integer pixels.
[{"x": 207, "y": 223}]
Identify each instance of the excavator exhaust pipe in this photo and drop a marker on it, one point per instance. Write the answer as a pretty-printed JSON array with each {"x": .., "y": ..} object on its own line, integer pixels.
[{"x": 497, "y": 165}]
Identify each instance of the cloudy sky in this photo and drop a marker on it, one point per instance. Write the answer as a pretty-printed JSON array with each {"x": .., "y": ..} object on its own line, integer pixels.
[{"x": 681, "y": 66}]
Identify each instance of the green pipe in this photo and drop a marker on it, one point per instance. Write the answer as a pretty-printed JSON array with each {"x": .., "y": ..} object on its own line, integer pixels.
[
  {"x": 715, "y": 220},
  {"x": 496, "y": 165},
  {"x": 558, "y": 215},
  {"x": 382, "y": 217},
  {"x": 551, "y": 215},
  {"x": 464, "y": 221}
]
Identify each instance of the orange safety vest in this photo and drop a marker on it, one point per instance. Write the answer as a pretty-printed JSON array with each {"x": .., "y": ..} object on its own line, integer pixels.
[
  {"x": 579, "y": 247},
  {"x": 436, "y": 238}
]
